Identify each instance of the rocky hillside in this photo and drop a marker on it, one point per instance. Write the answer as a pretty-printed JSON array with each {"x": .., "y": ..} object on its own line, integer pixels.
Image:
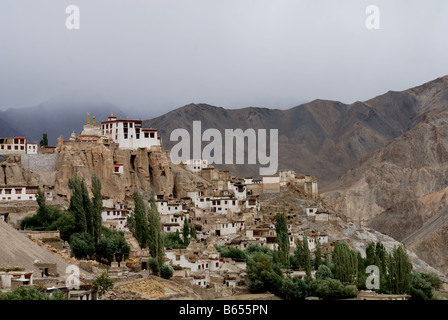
[
  {"x": 321, "y": 138},
  {"x": 401, "y": 189}
]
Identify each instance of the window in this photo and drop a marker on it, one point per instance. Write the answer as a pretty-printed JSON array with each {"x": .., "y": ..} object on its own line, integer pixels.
[
  {"x": 125, "y": 135},
  {"x": 130, "y": 125},
  {"x": 146, "y": 135},
  {"x": 152, "y": 135},
  {"x": 18, "y": 191},
  {"x": 7, "y": 191}
]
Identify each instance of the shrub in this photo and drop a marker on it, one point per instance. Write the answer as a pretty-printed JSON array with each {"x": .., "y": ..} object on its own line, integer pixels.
[
  {"x": 31, "y": 293},
  {"x": 166, "y": 271},
  {"x": 154, "y": 266},
  {"x": 421, "y": 289}
]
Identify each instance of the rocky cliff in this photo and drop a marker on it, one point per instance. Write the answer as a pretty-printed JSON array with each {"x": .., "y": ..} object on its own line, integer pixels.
[{"x": 401, "y": 189}]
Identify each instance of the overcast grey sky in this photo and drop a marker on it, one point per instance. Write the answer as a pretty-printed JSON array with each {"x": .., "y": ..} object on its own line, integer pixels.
[{"x": 157, "y": 55}]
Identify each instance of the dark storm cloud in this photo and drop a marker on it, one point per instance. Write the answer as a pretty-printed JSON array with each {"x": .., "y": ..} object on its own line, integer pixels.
[{"x": 157, "y": 55}]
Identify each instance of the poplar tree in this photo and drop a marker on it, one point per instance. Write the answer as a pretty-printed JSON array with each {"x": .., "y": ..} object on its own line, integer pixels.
[
  {"x": 76, "y": 204},
  {"x": 87, "y": 207},
  {"x": 281, "y": 229},
  {"x": 186, "y": 233},
  {"x": 306, "y": 256},
  {"x": 317, "y": 255},
  {"x": 155, "y": 237},
  {"x": 345, "y": 263},
  {"x": 399, "y": 271},
  {"x": 138, "y": 222},
  {"x": 97, "y": 207}
]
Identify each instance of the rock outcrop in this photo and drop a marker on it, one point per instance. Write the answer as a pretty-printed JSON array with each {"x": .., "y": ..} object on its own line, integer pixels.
[{"x": 143, "y": 169}]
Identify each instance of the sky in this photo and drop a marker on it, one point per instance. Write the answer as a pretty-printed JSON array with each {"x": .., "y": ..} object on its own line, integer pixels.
[{"x": 152, "y": 56}]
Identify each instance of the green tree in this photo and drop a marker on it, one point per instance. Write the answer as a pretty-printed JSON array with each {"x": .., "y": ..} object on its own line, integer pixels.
[
  {"x": 82, "y": 245},
  {"x": 294, "y": 289},
  {"x": 66, "y": 225},
  {"x": 345, "y": 263},
  {"x": 103, "y": 283},
  {"x": 87, "y": 207},
  {"x": 186, "y": 233},
  {"x": 97, "y": 207},
  {"x": 306, "y": 257},
  {"x": 399, "y": 271},
  {"x": 281, "y": 229},
  {"x": 433, "y": 279},
  {"x": 45, "y": 216},
  {"x": 44, "y": 141},
  {"x": 173, "y": 241},
  {"x": 76, "y": 204},
  {"x": 323, "y": 272},
  {"x": 317, "y": 255},
  {"x": 155, "y": 236},
  {"x": 31, "y": 293},
  {"x": 263, "y": 274},
  {"x": 112, "y": 243},
  {"x": 154, "y": 266},
  {"x": 138, "y": 222},
  {"x": 193, "y": 234},
  {"x": 420, "y": 288}
]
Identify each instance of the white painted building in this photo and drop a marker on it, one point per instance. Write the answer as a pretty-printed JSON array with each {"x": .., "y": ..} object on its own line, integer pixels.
[
  {"x": 229, "y": 227},
  {"x": 31, "y": 148},
  {"x": 311, "y": 211},
  {"x": 115, "y": 216},
  {"x": 167, "y": 207},
  {"x": 224, "y": 204},
  {"x": 129, "y": 134},
  {"x": 173, "y": 222},
  {"x": 271, "y": 184},
  {"x": 17, "y": 145},
  {"x": 195, "y": 165},
  {"x": 18, "y": 193},
  {"x": 183, "y": 259}
]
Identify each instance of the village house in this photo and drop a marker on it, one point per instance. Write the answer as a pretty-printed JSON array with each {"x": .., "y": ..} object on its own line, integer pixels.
[
  {"x": 173, "y": 222},
  {"x": 22, "y": 193},
  {"x": 225, "y": 228},
  {"x": 17, "y": 145},
  {"x": 14, "y": 279},
  {"x": 271, "y": 184},
  {"x": 195, "y": 165},
  {"x": 115, "y": 215},
  {"x": 170, "y": 206}
]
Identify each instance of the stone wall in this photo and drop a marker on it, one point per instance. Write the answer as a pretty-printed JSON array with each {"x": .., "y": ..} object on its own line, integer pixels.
[{"x": 39, "y": 162}]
